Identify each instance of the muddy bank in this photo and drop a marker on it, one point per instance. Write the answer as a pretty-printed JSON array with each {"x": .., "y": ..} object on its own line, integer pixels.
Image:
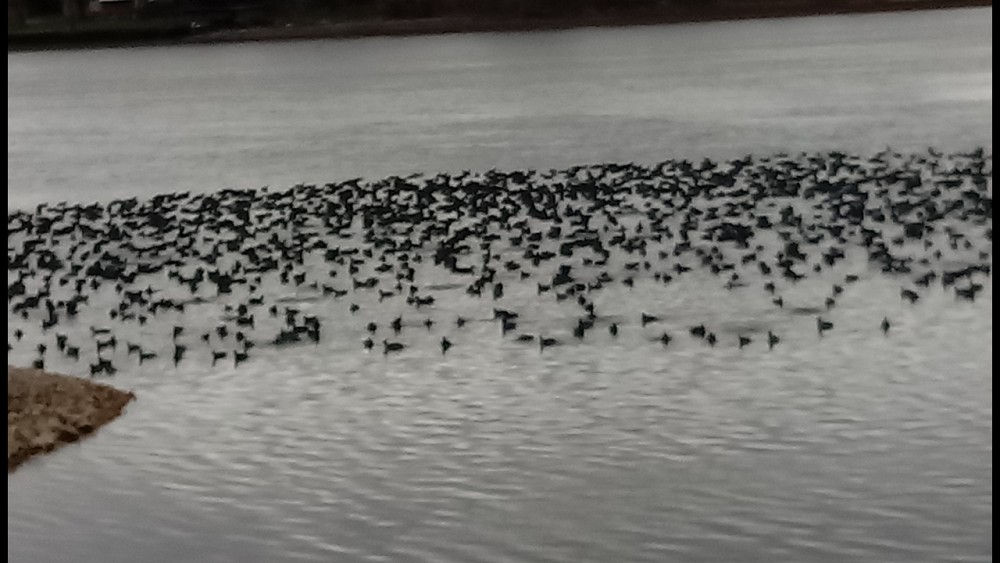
[{"x": 45, "y": 411}]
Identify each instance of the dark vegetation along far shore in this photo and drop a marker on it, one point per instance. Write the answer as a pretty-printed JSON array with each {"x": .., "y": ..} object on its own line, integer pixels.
[{"x": 45, "y": 24}]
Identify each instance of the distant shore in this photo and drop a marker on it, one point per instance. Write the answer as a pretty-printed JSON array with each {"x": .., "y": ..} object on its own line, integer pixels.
[
  {"x": 152, "y": 32},
  {"x": 46, "y": 411}
]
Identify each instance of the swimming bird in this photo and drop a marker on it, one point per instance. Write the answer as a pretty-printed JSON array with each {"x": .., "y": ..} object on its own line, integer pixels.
[
  {"x": 772, "y": 340},
  {"x": 179, "y": 350},
  {"x": 391, "y": 346},
  {"x": 239, "y": 357},
  {"x": 544, "y": 342}
]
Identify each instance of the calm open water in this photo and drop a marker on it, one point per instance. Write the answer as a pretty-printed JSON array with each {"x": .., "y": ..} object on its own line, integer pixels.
[
  {"x": 855, "y": 447},
  {"x": 88, "y": 125}
]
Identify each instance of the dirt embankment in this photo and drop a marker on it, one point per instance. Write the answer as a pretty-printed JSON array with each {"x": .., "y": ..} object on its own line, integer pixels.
[{"x": 45, "y": 411}]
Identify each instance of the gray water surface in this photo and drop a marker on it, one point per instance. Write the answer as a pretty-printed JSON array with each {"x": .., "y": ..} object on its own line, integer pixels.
[
  {"x": 87, "y": 125},
  {"x": 850, "y": 447}
]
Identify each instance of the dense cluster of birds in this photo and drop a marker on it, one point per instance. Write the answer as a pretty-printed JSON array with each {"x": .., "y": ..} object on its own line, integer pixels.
[{"x": 754, "y": 223}]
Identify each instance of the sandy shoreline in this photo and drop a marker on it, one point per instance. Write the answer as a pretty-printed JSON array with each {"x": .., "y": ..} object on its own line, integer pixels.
[
  {"x": 46, "y": 411},
  {"x": 19, "y": 40}
]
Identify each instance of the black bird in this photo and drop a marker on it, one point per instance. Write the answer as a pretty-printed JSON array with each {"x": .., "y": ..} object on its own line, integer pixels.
[
  {"x": 544, "y": 343},
  {"x": 646, "y": 319},
  {"x": 822, "y": 325},
  {"x": 909, "y": 295},
  {"x": 369, "y": 343},
  {"x": 698, "y": 331},
  {"x": 239, "y": 357},
  {"x": 744, "y": 340},
  {"x": 445, "y": 344},
  {"x": 613, "y": 329},
  {"x": 391, "y": 346},
  {"x": 710, "y": 338},
  {"x": 885, "y": 325},
  {"x": 179, "y": 350},
  {"x": 216, "y": 356},
  {"x": 665, "y": 339},
  {"x": 772, "y": 339}
]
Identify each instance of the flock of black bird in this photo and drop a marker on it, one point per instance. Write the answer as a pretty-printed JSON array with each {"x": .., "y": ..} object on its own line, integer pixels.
[{"x": 756, "y": 224}]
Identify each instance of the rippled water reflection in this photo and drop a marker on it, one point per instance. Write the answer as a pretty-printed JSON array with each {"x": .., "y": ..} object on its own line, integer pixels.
[
  {"x": 855, "y": 447},
  {"x": 850, "y": 447}
]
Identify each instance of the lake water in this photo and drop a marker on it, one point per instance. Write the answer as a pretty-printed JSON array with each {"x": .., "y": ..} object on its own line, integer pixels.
[
  {"x": 850, "y": 447},
  {"x": 89, "y": 125}
]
